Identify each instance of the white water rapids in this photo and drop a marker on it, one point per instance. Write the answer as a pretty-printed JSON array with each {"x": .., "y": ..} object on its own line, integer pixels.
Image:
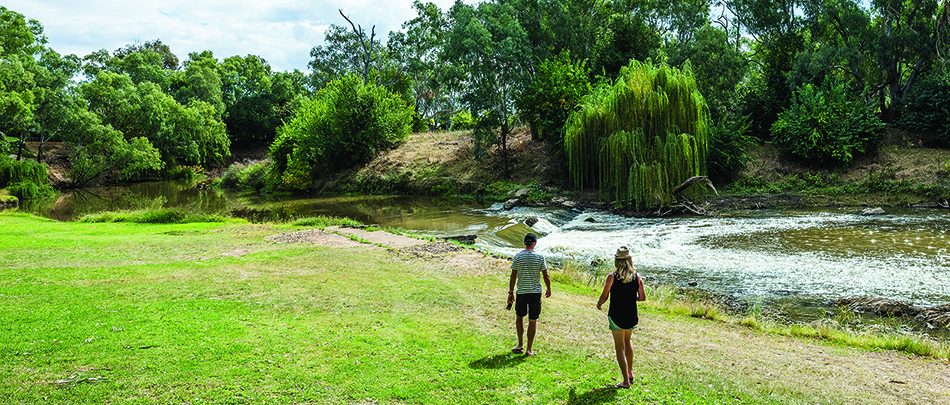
[{"x": 816, "y": 254}]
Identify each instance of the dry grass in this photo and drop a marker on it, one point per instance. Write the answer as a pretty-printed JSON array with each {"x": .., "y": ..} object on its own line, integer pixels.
[{"x": 432, "y": 158}]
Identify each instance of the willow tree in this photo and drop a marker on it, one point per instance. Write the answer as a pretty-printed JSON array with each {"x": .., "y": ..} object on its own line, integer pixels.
[{"x": 641, "y": 137}]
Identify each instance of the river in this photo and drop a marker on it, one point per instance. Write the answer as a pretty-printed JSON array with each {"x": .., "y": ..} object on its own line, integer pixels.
[{"x": 809, "y": 256}]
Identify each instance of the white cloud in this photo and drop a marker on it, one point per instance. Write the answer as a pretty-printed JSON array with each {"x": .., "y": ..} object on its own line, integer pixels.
[{"x": 282, "y": 32}]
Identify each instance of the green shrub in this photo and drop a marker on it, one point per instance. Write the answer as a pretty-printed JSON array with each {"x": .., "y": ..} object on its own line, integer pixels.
[
  {"x": 555, "y": 93},
  {"x": 499, "y": 190},
  {"x": 823, "y": 126},
  {"x": 324, "y": 221},
  {"x": 154, "y": 216},
  {"x": 419, "y": 124},
  {"x": 6, "y": 145},
  {"x": 729, "y": 141},
  {"x": 927, "y": 109},
  {"x": 463, "y": 121},
  {"x": 345, "y": 124},
  {"x": 250, "y": 177},
  {"x": 231, "y": 176},
  {"x": 183, "y": 172},
  {"x": 25, "y": 179}
]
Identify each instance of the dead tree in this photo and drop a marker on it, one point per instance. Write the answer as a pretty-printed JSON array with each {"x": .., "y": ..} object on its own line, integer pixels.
[
  {"x": 685, "y": 203},
  {"x": 367, "y": 60}
]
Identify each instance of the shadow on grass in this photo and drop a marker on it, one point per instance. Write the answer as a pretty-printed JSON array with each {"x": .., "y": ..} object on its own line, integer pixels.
[
  {"x": 498, "y": 361},
  {"x": 600, "y": 395}
]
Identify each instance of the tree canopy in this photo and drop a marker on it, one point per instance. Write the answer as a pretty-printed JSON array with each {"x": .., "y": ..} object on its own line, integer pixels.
[{"x": 765, "y": 69}]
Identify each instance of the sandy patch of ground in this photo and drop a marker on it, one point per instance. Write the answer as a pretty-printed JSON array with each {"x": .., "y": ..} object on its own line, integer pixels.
[
  {"x": 381, "y": 237},
  {"x": 316, "y": 237}
]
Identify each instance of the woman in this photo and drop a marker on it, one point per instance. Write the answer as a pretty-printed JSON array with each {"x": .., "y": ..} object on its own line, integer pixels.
[{"x": 624, "y": 287}]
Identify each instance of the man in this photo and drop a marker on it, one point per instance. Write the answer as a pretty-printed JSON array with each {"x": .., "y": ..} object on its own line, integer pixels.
[{"x": 527, "y": 268}]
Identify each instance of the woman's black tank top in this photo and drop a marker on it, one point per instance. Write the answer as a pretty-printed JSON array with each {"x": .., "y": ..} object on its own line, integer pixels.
[{"x": 623, "y": 302}]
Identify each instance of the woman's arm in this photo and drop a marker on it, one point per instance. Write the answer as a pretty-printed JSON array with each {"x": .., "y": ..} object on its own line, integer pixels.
[
  {"x": 641, "y": 294},
  {"x": 606, "y": 293}
]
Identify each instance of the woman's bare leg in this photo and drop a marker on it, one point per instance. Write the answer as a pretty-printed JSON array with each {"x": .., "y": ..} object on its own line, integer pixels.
[
  {"x": 628, "y": 351},
  {"x": 620, "y": 347}
]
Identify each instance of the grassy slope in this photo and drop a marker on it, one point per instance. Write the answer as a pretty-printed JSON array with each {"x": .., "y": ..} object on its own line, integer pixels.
[
  {"x": 211, "y": 313},
  {"x": 433, "y": 163}
]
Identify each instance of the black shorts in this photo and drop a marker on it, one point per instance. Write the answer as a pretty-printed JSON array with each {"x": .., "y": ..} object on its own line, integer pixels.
[{"x": 528, "y": 304}]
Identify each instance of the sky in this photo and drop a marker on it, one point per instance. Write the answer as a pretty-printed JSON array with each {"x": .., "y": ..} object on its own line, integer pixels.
[{"x": 281, "y": 31}]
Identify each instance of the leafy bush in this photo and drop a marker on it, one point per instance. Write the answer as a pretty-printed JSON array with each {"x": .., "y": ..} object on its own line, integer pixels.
[
  {"x": 154, "y": 216},
  {"x": 822, "y": 125},
  {"x": 231, "y": 176},
  {"x": 249, "y": 177},
  {"x": 325, "y": 221},
  {"x": 463, "y": 121},
  {"x": 345, "y": 124},
  {"x": 729, "y": 141},
  {"x": 184, "y": 172},
  {"x": 555, "y": 93},
  {"x": 927, "y": 109}
]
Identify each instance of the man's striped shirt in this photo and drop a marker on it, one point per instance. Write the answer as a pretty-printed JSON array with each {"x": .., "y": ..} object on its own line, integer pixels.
[{"x": 528, "y": 265}]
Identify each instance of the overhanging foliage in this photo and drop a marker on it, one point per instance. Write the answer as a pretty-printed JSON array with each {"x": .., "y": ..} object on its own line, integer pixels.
[{"x": 638, "y": 139}]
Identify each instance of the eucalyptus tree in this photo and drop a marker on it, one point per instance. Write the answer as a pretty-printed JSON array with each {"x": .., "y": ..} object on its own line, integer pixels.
[
  {"x": 169, "y": 60},
  {"x": 199, "y": 82},
  {"x": 143, "y": 110},
  {"x": 913, "y": 39},
  {"x": 417, "y": 52},
  {"x": 489, "y": 40},
  {"x": 718, "y": 66},
  {"x": 153, "y": 63},
  {"x": 352, "y": 52},
  {"x": 774, "y": 28},
  {"x": 21, "y": 42}
]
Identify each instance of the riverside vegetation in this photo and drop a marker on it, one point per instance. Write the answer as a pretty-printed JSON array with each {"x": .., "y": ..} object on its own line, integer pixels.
[{"x": 127, "y": 308}]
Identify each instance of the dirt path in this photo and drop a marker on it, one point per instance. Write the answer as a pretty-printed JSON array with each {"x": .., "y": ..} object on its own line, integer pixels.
[
  {"x": 764, "y": 362},
  {"x": 769, "y": 362}
]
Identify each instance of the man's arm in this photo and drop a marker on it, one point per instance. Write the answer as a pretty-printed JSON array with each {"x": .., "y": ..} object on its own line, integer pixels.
[{"x": 511, "y": 282}]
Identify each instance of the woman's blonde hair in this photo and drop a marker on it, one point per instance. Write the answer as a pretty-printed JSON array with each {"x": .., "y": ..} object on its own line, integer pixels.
[{"x": 624, "y": 269}]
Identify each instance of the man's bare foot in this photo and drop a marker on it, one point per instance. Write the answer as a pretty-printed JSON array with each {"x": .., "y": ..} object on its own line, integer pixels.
[
  {"x": 623, "y": 385},
  {"x": 529, "y": 353},
  {"x": 517, "y": 349}
]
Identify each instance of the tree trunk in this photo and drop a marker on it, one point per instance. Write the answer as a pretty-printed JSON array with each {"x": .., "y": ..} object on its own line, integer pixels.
[
  {"x": 504, "y": 149},
  {"x": 535, "y": 135}
]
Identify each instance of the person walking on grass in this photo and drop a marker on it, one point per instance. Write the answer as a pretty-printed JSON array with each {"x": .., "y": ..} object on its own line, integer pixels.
[
  {"x": 624, "y": 287},
  {"x": 526, "y": 269}
]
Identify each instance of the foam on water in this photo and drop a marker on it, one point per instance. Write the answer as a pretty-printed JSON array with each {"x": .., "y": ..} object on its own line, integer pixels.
[{"x": 827, "y": 255}]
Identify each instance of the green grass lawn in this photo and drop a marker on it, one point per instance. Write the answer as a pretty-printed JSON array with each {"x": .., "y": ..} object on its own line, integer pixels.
[{"x": 212, "y": 313}]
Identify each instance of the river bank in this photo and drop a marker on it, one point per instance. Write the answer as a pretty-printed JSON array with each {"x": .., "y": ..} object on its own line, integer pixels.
[
  {"x": 901, "y": 173},
  {"x": 237, "y": 312}
]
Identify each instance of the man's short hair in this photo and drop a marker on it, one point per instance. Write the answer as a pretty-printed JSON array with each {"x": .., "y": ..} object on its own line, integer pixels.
[{"x": 530, "y": 239}]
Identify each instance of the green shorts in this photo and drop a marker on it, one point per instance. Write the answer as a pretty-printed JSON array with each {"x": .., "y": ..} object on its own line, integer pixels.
[{"x": 613, "y": 327}]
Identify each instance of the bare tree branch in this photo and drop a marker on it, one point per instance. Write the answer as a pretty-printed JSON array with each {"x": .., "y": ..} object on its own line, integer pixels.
[{"x": 694, "y": 180}]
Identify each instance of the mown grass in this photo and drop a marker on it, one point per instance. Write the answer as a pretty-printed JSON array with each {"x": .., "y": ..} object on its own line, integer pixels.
[
  {"x": 166, "y": 313},
  {"x": 122, "y": 312}
]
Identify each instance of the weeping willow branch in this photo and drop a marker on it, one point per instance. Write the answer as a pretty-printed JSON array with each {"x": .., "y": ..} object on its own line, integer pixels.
[{"x": 635, "y": 140}]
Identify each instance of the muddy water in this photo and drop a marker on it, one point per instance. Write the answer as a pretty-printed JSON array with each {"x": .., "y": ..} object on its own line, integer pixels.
[{"x": 809, "y": 256}]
